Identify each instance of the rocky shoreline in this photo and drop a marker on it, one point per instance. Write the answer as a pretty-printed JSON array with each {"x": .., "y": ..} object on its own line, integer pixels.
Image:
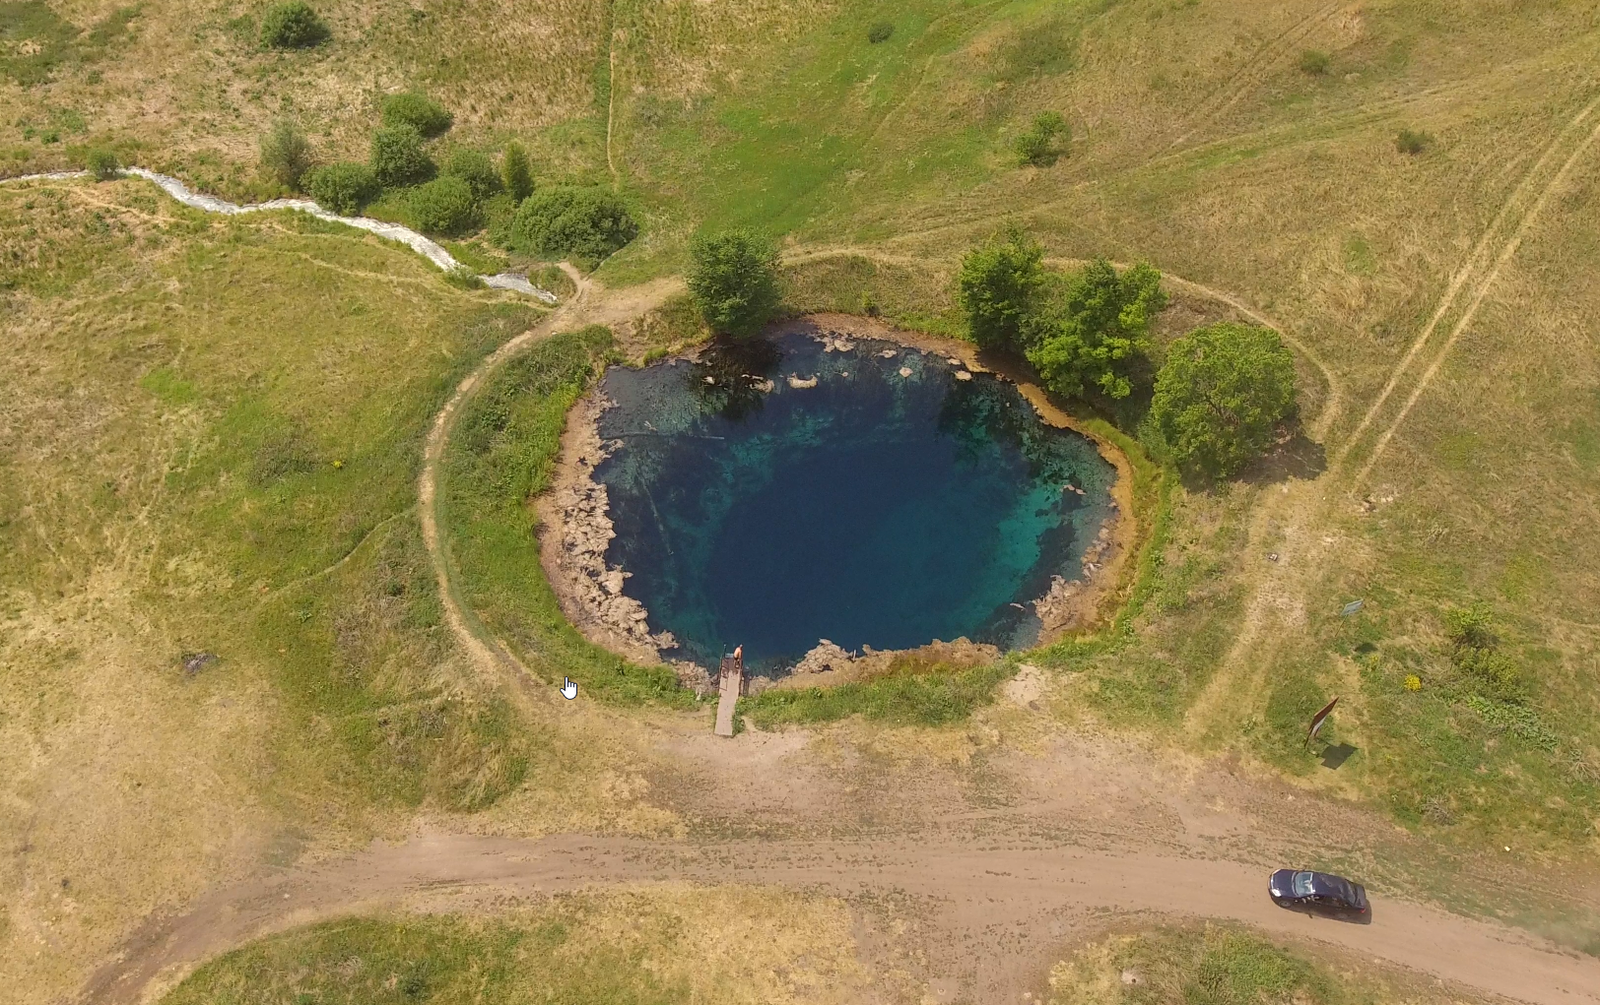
[{"x": 575, "y": 531}]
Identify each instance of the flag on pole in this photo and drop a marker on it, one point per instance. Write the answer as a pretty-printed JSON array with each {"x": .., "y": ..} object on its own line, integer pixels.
[{"x": 1318, "y": 719}]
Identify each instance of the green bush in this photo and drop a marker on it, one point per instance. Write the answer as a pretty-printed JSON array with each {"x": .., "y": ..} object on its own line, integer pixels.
[
  {"x": 1045, "y": 141},
  {"x": 398, "y": 157},
  {"x": 1470, "y": 626},
  {"x": 416, "y": 110},
  {"x": 293, "y": 25},
  {"x": 516, "y": 173},
  {"x": 1315, "y": 62},
  {"x": 997, "y": 285},
  {"x": 733, "y": 281},
  {"x": 880, "y": 32},
  {"x": 1092, "y": 330},
  {"x": 103, "y": 164},
  {"x": 588, "y": 223},
  {"x": 342, "y": 188},
  {"x": 285, "y": 154},
  {"x": 477, "y": 170},
  {"x": 444, "y": 206},
  {"x": 1409, "y": 141},
  {"x": 1220, "y": 396}
]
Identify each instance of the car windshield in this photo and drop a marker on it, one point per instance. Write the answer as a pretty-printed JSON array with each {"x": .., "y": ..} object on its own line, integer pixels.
[{"x": 1302, "y": 884}]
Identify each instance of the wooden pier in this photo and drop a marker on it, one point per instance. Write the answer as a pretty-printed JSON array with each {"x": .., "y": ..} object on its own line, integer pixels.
[{"x": 730, "y": 687}]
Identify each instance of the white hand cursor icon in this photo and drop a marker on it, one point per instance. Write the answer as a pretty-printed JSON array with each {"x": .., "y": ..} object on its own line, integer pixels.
[{"x": 569, "y": 690}]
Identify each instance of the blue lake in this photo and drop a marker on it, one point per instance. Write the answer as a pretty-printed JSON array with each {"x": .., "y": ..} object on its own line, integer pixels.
[{"x": 879, "y": 508}]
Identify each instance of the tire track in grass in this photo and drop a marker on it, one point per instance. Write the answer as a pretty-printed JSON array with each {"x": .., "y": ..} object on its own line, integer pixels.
[
  {"x": 1257, "y": 68},
  {"x": 1284, "y": 588}
]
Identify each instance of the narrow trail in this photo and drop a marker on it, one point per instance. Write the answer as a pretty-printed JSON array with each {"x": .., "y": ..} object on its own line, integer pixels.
[
  {"x": 975, "y": 895},
  {"x": 590, "y": 304}
]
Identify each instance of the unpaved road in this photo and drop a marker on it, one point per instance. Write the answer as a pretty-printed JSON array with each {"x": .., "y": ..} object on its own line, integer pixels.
[{"x": 977, "y": 894}]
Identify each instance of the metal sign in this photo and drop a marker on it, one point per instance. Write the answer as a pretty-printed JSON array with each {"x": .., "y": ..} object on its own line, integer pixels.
[
  {"x": 1318, "y": 719},
  {"x": 1352, "y": 607}
]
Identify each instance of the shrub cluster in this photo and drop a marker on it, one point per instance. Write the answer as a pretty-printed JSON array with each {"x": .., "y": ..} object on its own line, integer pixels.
[
  {"x": 733, "y": 281},
  {"x": 1045, "y": 142},
  {"x": 880, "y": 32},
  {"x": 1221, "y": 395},
  {"x": 444, "y": 206},
  {"x": 416, "y": 110},
  {"x": 476, "y": 170},
  {"x": 293, "y": 25},
  {"x": 285, "y": 154},
  {"x": 398, "y": 157},
  {"x": 1475, "y": 654},
  {"x": 1412, "y": 142},
  {"x": 343, "y": 188},
  {"x": 515, "y": 172},
  {"x": 1315, "y": 62},
  {"x": 102, "y": 164},
  {"x": 588, "y": 223}
]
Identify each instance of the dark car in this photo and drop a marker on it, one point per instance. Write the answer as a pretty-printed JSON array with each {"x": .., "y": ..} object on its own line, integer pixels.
[{"x": 1320, "y": 892}]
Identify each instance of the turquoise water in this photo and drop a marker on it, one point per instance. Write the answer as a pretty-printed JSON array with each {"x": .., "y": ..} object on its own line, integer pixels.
[{"x": 873, "y": 509}]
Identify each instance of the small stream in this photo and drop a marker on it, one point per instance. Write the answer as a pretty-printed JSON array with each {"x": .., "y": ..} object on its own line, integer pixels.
[{"x": 428, "y": 249}]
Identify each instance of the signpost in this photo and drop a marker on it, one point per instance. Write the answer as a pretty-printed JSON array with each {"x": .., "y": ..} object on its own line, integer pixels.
[
  {"x": 1318, "y": 719},
  {"x": 1352, "y": 607}
]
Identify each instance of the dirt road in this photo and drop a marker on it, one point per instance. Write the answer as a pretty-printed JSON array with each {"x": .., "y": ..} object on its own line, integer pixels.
[{"x": 976, "y": 894}]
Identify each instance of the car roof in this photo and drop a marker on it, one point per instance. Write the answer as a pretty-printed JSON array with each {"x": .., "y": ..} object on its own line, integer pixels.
[{"x": 1326, "y": 885}]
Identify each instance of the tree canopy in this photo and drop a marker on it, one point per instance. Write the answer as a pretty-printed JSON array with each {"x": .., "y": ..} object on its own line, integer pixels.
[
  {"x": 997, "y": 285},
  {"x": 733, "y": 279},
  {"x": 1220, "y": 396},
  {"x": 1092, "y": 328}
]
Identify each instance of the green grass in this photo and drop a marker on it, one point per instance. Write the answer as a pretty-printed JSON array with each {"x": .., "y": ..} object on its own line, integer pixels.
[
  {"x": 1220, "y": 965},
  {"x": 501, "y": 454},
  {"x": 441, "y": 960},
  {"x": 913, "y": 696},
  {"x": 271, "y": 451}
]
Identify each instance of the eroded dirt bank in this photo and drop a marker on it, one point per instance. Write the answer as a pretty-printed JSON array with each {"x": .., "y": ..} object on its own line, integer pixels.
[{"x": 575, "y": 529}]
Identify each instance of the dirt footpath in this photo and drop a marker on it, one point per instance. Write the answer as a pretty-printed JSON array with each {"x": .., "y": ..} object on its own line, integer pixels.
[{"x": 992, "y": 912}]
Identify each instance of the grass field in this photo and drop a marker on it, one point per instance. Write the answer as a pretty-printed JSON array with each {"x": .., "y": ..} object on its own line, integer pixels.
[
  {"x": 211, "y": 435},
  {"x": 211, "y": 428},
  {"x": 657, "y": 946},
  {"x": 1222, "y": 966}
]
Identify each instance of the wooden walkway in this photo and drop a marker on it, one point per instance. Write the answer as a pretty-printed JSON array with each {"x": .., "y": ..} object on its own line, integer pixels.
[{"x": 730, "y": 687}]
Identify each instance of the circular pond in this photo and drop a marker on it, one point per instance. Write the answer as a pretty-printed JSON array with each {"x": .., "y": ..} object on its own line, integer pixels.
[{"x": 809, "y": 487}]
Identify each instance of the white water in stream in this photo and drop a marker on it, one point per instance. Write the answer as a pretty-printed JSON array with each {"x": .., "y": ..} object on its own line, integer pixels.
[{"x": 392, "y": 231}]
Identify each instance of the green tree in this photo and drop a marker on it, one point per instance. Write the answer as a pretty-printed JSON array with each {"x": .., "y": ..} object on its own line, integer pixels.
[
  {"x": 588, "y": 223},
  {"x": 398, "y": 157},
  {"x": 477, "y": 170},
  {"x": 285, "y": 154},
  {"x": 996, "y": 287},
  {"x": 733, "y": 280},
  {"x": 102, "y": 164},
  {"x": 292, "y": 25},
  {"x": 1045, "y": 141},
  {"x": 342, "y": 188},
  {"x": 417, "y": 110},
  {"x": 444, "y": 206},
  {"x": 1093, "y": 329},
  {"x": 1221, "y": 394},
  {"x": 516, "y": 173}
]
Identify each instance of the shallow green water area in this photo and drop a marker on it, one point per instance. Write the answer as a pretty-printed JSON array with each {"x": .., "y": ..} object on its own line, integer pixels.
[{"x": 891, "y": 504}]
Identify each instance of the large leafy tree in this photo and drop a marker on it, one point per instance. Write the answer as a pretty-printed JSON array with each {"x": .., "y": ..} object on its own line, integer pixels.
[
  {"x": 1093, "y": 328},
  {"x": 733, "y": 279},
  {"x": 1220, "y": 396},
  {"x": 997, "y": 286}
]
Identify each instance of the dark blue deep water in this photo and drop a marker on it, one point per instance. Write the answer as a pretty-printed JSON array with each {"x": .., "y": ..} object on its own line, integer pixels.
[{"x": 873, "y": 509}]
